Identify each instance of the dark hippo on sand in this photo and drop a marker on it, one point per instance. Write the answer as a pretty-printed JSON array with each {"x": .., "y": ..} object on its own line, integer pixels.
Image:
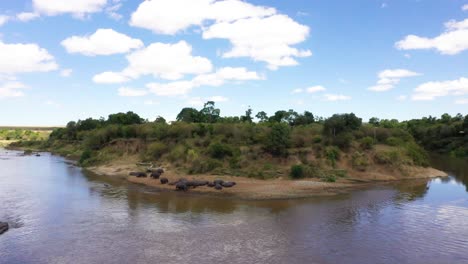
[{"x": 164, "y": 180}]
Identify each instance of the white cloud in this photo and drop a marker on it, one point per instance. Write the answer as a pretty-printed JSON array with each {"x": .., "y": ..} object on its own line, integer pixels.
[
  {"x": 11, "y": 89},
  {"x": 110, "y": 77},
  {"x": 389, "y": 78},
  {"x": 102, "y": 42},
  {"x": 257, "y": 32},
  {"x": 112, "y": 10},
  {"x": 218, "y": 78},
  {"x": 465, "y": 7},
  {"x": 315, "y": 89},
  {"x": 431, "y": 90},
  {"x": 167, "y": 16},
  {"x": 171, "y": 89},
  {"x": 52, "y": 103},
  {"x": 166, "y": 61},
  {"x": 4, "y": 19},
  {"x": 453, "y": 41},
  {"x": 461, "y": 101},
  {"x": 222, "y": 75},
  {"x": 408, "y": 56},
  {"x": 66, "y": 72},
  {"x": 266, "y": 39},
  {"x": 336, "y": 97},
  {"x": 21, "y": 58},
  {"x": 130, "y": 92},
  {"x": 297, "y": 91},
  {"x": 77, "y": 8},
  {"x": 27, "y": 16}
]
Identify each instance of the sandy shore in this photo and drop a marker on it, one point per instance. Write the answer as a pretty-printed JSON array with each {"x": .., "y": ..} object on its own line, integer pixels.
[{"x": 254, "y": 189}]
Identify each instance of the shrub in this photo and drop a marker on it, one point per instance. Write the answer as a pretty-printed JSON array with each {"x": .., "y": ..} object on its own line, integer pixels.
[
  {"x": 393, "y": 141},
  {"x": 343, "y": 140},
  {"x": 177, "y": 153},
  {"x": 392, "y": 157},
  {"x": 417, "y": 154},
  {"x": 332, "y": 154},
  {"x": 359, "y": 161},
  {"x": 277, "y": 142},
  {"x": 367, "y": 143},
  {"x": 297, "y": 171},
  {"x": 203, "y": 166},
  {"x": 330, "y": 178},
  {"x": 156, "y": 149},
  {"x": 219, "y": 151}
]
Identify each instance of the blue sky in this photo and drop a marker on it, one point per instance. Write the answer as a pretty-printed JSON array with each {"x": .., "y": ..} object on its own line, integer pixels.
[{"x": 88, "y": 58}]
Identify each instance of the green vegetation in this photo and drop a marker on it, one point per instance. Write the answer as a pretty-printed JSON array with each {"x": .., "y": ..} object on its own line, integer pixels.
[{"x": 286, "y": 144}]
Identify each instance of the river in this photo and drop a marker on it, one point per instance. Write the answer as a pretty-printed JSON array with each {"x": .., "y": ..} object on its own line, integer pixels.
[{"x": 60, "y": 214}]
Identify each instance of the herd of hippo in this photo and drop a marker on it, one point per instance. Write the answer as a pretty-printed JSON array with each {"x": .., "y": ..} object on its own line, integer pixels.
[
  {"x": 3, "y": 227},
  {"x": 183, "y": 184}
]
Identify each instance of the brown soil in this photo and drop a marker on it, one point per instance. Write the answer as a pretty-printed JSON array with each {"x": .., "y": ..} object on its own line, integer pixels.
[{"x": 248, "y": 188}]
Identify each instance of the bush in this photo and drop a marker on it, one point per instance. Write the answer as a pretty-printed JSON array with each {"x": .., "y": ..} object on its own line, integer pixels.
[
  {"x": 155, "y": 150},
  {"x": 332, "y": 154},
  {"x": 330, "y": 178},
  {"x": 343, "y": 140},
  {"x": 203, "y": 166},
  {"x": 417, "y": 154},
  {"x": 219, "y": 151},
  {"x": 359, "y": 161},
  {"x": 297, "y": 171},
  {"x": 393, "y": 141},
  {"x": 277, "y": 142},
  {"x": 177, "y": 153},
  {"x": 367, "y": 143},
  {"x": 392, "y": 157}
]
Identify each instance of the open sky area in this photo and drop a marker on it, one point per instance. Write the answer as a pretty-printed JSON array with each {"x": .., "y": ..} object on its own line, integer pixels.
[{"x": 69, "y": 60}]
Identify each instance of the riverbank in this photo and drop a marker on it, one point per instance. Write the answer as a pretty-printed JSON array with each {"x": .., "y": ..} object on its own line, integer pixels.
[{"x": 256, "y": 189}]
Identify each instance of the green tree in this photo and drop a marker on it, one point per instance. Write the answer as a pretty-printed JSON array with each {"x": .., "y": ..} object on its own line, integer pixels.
[
  {"x": 262, "y": 116},
  {"x": 278, "y": 140},
  {"x": 189, "y": 115}
]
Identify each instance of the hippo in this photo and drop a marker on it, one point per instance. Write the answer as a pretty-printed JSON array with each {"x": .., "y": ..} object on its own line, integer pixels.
[
  {"x": 164, "y": 180},
  {"x": 159, "y": 170},
  {"x": 182, "y": 186},
  {"x": 228, "y": 184},
  {"x": 179, "y": 180},
  {"x": 218, "y": 187},
  {"x": 211, "y": 184},
  {"x": 218, "y": 182},
  {"x": 155, "y": 175},
  {"x": 195, "y": 184},
  {"x": 138, "y": 174},
  {"x": 3, "y": 227}
]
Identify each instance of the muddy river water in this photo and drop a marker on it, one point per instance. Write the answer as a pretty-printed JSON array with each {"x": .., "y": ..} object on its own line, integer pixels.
[{"x": 60, "y": 214}]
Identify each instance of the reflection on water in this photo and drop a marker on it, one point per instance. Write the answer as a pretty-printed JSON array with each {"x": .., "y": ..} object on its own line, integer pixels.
[{"x": 61, "y": 215}]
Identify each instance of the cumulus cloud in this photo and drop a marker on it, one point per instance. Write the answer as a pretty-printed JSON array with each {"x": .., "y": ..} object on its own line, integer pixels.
[
  {"x": 4, "y": 19},
  {"x": 27, "y": 16},
  {"x": 389, "y": 78},
  {"x": 102, "y": 42},
  {"x": 167, "y": 16},
  {"x": 166, "y": 61},
  {"x": 266, "y": 39},
  {"x": 130, "y": 92},
  {"x": 431, "y": 90},
  {"x": 171, "y": 89},
  {"x": 218, "y": 78},
  {"x": 336, "y": 97},
  {"x": 11, "y": 89},
  {"x": 110, "y": 78},
  {"x": 21, "y": 58},
  {"x": 77, "y": 8},
  {"x": 66, "y": 72},
  {"x": 453, "y": 41},
  {"x": 465, "y": 7},
  {"x": 257, "y": 32},
  {"x": 315, "y": 89}
]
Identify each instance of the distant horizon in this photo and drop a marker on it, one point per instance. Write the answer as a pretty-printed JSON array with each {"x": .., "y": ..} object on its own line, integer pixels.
[{"x": 391, "y": 59}]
